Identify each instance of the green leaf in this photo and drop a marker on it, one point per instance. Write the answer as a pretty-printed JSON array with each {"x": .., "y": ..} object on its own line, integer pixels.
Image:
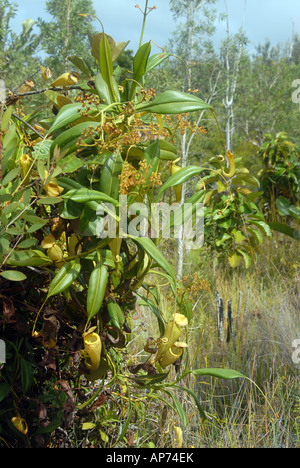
[
  {"x": 263, "y": 226},
  {"x": 148, "y": 303},
  {"x": 196, "y": 399},
  {"x": 70, "y": 209},
  {"x": 68, "y": 114},
  {"x": 49, "y": 201},
  {"x": 106, "y": 64},
  {"x": 26, "y": 375},
  {"x": 109, "y": 181},
  {"x": 140, "y": 61},
  {"x": 168, "y": 152},
  {"x": 283, "y": 206},
  {"x": 116, "y": 315},
  {"x": 69, "y": 164},
  {"x": 4, "y": 390},
  {"x": 139, "y": 66},
  {"x": 102, "y": 89},
  {"x": 28, "y": 258},
  {"x": 84, "y": 195},
  {"x": 148, "y": 380},
  {"x": 87, "y": 426},
  {"x": 67, "y": 141},
  {"x": 13, "y": 275},
  {"x": 247, "y": 258},
  {"x": 80, "y": 64},
  {"x": 32, "y": 219},
  {"x": 174, "y": 102},
  {"x": 285, "y": 229},
  {"x": 181, "y": 413},
  {"x": 256, "y": 234},
  {"x": 10, "y": 176},
  {"x": 179, "y": 178},
  {"x": 96, "y": 290},
  {"x": 64, "y": 278},
  {"x": 41, "y": 151},
  {"x": 6, "y": 118},
  {"x": 234, "y": 260},
  {"x": 156, "y": 60},
  {"x": 238, "y": 236},
  {"x": 124, "y": 428},
  {"x": 154, "y": 252},
  {"x": 227, "y": 374}
]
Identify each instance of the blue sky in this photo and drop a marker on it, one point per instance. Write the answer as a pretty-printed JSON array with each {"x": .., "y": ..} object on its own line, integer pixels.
[{"x": 265, "y": 19}]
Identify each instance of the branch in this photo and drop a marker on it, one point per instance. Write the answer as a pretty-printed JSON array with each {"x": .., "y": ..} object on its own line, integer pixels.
[
  {"x": 15, "y": 97},
  {"x": 29, "y": 126}
]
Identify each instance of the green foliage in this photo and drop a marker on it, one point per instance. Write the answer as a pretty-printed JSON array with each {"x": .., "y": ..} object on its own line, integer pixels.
[
  {"x": 281, "y": 172},
  {"x": 234, "y": 226},
  {"x": 60, "y": 194}
]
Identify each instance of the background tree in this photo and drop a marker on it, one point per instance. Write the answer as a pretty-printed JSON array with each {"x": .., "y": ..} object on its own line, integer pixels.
[
  {"x": 18, "y": 51},
  {"x": 67, "y": 33}
]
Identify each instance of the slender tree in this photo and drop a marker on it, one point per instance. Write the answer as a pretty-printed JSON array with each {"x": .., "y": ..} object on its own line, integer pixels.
[
  {"x": 66, "y": 33},
  {"x": 231, "y": 55},
  {"x": 191, "y": 41},
  {"x": 17, "y": 51}
]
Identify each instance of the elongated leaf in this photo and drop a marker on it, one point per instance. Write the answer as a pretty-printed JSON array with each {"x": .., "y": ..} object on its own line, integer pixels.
[
  {"x": 179, "y": 178},
  {"x": 67, "y": 115},
  {"x": 64, "y": 278},
  {"x": 13, "y": 275},
  {"x": 168, "y": 152},
  {"x": 181, "y": 413},
  {"x": 139, "y": 66},
  {"x": 140, "y": 61},
  {"x": 124, "y": 428},
  {"x": 116, "y": 315},
  {"x": 151, "y": 249},
  {"x": 148, "y": 303},
  {"x": 156, "y": 60},
  {"x": 109, "y": 181},
  {"x": 285, "y": 229},
  {"x": 84, "y": 195},
  {"x": 4, "y": 390},
  {"x": 247, "y": 258},
  {"x": 96, "y": 291},
  {"x": 194, "y": 396},
  {"x": 102, "y": 89},
  {"x": 67, "y": 141},
  {"x": 106, "y": 64},
  {"x": 80, "y": 63},
  {"x": 10, "y": 176},
  {"x": 174, "y": 102},
  {"x": 227, "y": 374},
  {"x": 283, "y": 206},
  {"x": 28, "y": 258},
  {"x": 148, "y": 380},
  {"x": 26, "y": 375},
  {"x": 263, "y": 226}
]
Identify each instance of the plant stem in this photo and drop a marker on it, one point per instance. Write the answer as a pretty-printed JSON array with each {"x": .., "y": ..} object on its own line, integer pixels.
[{"x": 144, "y": 23}]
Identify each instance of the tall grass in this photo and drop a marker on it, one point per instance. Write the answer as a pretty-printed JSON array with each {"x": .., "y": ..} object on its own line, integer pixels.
[{"x": 264, "y": 410}]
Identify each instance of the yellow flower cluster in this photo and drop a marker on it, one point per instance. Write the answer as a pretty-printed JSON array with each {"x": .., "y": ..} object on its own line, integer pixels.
[
  {"x": 181, "y": 123},
  {"x": 132, "y": 178},
  {"x": 193, "y": 285}
]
